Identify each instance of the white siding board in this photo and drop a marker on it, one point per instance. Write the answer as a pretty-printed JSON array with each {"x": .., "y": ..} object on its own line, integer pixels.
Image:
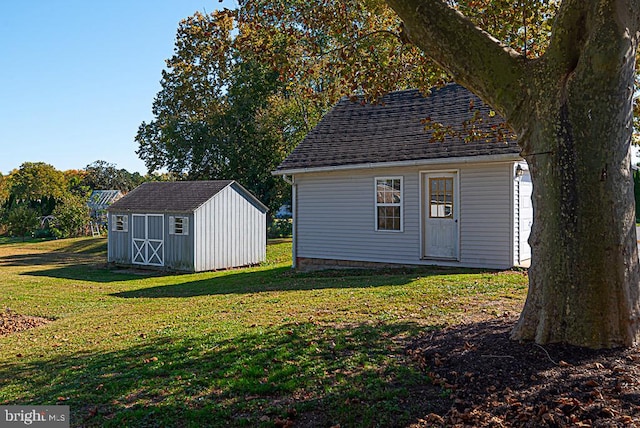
[
  {"x": 486, "y": 215},
  {"x": 233, "y": 232},
  {"x": 336, "y": 217},
  {"x": 523, "y": 217}
]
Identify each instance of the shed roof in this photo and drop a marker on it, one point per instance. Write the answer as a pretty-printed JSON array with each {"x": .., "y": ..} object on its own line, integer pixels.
[
  {"x": 177, "y": 196},
  {"x": 393, "y": 131}
]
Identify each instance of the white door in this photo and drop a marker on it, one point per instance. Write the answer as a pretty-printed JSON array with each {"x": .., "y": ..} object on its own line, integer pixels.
[
  {"x": 148, "y": 239},
  {"x": 441, "y": 208}
]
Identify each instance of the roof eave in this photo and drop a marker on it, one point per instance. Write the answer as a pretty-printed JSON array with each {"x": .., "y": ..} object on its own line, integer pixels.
[{"x": 505, "y": 157}]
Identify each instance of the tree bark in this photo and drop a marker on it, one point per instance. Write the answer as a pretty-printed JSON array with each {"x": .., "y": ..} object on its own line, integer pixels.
[{"x": 572, "y": 111}]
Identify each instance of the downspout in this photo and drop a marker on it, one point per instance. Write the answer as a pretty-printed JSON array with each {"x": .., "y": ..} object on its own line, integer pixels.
[{"x": 294, "y": 219}]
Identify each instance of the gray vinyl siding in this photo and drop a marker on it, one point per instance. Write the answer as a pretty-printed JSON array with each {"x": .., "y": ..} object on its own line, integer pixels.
[
  {"x": 486, "y": 218},
  {"x": 119, "y": 243},
  {"x": 179, "y": 249},
  {"x": 335, "y": 216},
  {"x": 232, "y": 232},
  {"x": 336, "y": 219}
]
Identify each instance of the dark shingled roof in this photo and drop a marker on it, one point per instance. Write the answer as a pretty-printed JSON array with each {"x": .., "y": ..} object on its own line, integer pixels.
[
  {"x": 174, "y": 196},
  {"x": 393, "y": 131}
]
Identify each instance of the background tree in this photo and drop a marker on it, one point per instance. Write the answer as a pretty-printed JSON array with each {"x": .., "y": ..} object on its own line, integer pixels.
[
  {"x": 37, "y": 184},
  {"x": 102, "y": 175},
  {"x": 76, "y": 182},
  {"x": 211, "y": 119},
  {"x": 71, "y": 217},
  {"x": 4, "y": 188},
  {"x": 4, "y": 197},
  {"x": 237, "y": 97}
]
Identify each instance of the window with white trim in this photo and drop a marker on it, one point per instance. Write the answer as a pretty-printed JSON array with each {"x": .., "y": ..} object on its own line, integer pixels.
[
  {"x": 178, "y": 225},
  {"x": 120, "y": 223},
  {"x": 389, "y": 203}
]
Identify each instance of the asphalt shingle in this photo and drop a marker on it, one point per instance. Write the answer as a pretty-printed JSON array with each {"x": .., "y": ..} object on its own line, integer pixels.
[
  {"x": 174, "y": 196},
  {"x": 393, "y": 130}
]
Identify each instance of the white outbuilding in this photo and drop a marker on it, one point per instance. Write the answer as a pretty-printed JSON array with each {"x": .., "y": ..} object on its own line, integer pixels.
[
  {"x": 189, "y": 226},
  {"x": 411, "y": 180}
]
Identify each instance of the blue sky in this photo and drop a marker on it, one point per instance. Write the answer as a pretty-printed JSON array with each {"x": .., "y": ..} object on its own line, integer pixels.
[{"x": 77, "y": 78}]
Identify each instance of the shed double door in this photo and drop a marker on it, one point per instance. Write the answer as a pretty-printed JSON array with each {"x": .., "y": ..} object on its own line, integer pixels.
[{"x": 148, "y": 239}]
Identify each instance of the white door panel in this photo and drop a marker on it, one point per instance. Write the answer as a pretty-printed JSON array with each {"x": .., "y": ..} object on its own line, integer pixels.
[
  {"x": 440, "y": 213},
  {"x": 148, "y": 239}
]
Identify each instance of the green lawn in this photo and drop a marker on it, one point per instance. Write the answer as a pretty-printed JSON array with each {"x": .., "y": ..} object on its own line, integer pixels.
[{"x": 249, "y": 347}]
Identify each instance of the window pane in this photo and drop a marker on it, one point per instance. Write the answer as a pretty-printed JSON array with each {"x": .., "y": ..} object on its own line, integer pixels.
[
  {"x": 120, "y": 223},
  {"x": 381, "y": 218},
  {"x": 441, "y": 197},
  {"x": 396, "y": 223},
  {"x": 389, "y": 218},
  {"x": 388, "y": 203},
  {"x": 178, "y": 225}
]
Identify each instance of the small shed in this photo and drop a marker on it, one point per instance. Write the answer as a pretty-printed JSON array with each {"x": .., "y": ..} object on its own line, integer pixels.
[
  {"x": 372, "y": 187},
  {"x": 188, "y": 226}
]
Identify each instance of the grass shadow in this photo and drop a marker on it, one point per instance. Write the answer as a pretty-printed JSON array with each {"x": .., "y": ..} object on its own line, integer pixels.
[
  {"x": 284, "y": 279},
  {"x": 65, "y": 252},
  {"x": 304, "y": 373},
  {"x": 93, "y": 272}
]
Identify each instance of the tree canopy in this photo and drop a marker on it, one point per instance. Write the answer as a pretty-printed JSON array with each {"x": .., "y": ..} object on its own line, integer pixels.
[
  {"x": 102, "y": 175},
  {"x": 221, "y": 114}
]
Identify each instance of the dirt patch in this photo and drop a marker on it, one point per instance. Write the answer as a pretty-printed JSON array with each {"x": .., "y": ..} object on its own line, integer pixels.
[
  {"x": 11, "y": 322},
  {"x": 492, "y": 381}
]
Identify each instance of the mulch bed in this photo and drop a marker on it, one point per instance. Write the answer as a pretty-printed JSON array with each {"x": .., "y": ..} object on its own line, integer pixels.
[
  {"x": 11, "y": 322},
  {"x": 492, "y": 381}
]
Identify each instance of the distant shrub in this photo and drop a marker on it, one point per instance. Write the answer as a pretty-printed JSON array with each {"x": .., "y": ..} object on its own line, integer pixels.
[
  {"x": 280, "y": 228},
  {"x": 22, "y": 220},
  {"x": 71, "y": 217}
]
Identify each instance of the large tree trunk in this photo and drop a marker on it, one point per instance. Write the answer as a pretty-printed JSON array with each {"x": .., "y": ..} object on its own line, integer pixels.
[
  {"x": 583, "y": 281},
  {"x": 572, "y": 112}
]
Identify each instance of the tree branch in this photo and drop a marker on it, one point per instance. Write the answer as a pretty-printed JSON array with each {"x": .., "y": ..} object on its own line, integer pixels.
[
  {"x": 569, "y": 35},
  {"x": 360, "y": 38},
  {"x": 473, "y": 57}
]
